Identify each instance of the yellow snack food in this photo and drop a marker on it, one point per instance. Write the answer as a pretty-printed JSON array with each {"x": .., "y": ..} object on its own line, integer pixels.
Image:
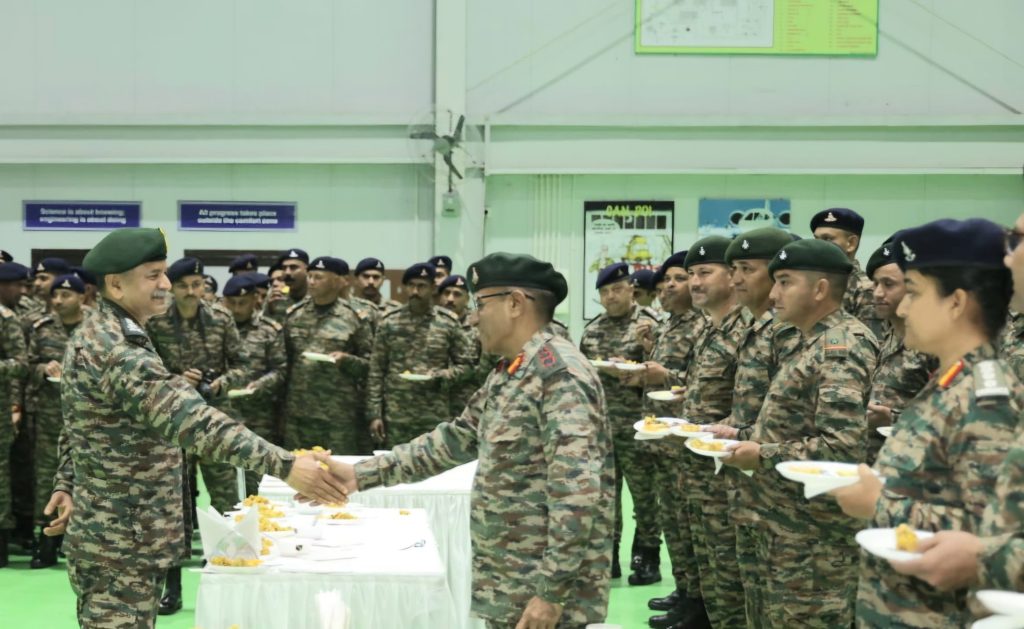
[
  {"x": 341, "y": 515},
  {"x": 710, "y": 446},
  {"x": 265, "y": 545},
  {"x": 654, "y": 424},
  {"x": 255, "y": 500},
  {"x": 221, "y": 560},
  {"x": 846, "y": 473},
  {"x": 906, "y": 538},
  {"x": 690, "y": 428},
  {"x": 676, "y": 387},
  {"x": 807, "y": 469},
  {"x": 403, "y": 512}
]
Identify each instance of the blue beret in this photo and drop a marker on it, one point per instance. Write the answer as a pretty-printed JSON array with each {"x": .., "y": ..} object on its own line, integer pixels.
[
  {"x": 882, "y": 256},
  {"x": 420, "y": 270},
  {"x": 328, "y": 263},
  {"x": 975, "y": 242},
  {"x": 70, "y": 282},
  {"x": 619, "y": 271},
  {"x": 84, "y": 275},
  {"x": 457, "y": 281},
  {"x": 6, "y": 257},
  {"x": 259, "y": 280},
  {"x": 659, "y": 276},
  {"x": 676, "y": 259},
  {"x": 293, "y": 254},
  {"x": 244, "y": 262},
  {"x": 369, "y": 264},
  {"x": 839, "y": 218},
  {"x": 183, "y": 267},
  {"x": 54, "y": 266},
  {"x": 210, "y": 282},
  {"x": 644, "y": 278},
  {"x": 240, "y": 285},
  {"x": 441, "y": 262},
  {"x": 707, "y": 250},
  {"x": 13, "y": 272}
]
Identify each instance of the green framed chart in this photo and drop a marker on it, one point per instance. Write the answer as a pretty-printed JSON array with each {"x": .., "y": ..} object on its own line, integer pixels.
[{"x": 757, "y": 27}]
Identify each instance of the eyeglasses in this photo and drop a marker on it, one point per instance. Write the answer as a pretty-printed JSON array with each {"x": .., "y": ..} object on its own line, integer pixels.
[
  {"x": 477, "y": 301},
  {"x": 1012, "y": 239}
]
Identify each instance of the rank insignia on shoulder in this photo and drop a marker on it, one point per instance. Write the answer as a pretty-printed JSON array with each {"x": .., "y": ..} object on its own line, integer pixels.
[
  {"x": 835, "y": 343},
  {"x": 41, "y": 322},
  {"x": 292, "y": 308},
  {"x": 274, "y": 324},
  {"x": 990, "y": 381},
  {"x": 650, "y": 312},
  {"x": 131, "y": 328}
]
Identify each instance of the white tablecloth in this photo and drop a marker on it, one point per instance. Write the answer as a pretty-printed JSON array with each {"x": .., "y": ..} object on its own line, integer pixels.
[
  {"x": 381, "y": 581},
  {"x": 445, "y": 498}
]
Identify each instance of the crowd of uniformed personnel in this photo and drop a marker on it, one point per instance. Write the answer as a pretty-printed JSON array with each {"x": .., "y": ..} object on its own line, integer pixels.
[{"x": 782, "y": 344}]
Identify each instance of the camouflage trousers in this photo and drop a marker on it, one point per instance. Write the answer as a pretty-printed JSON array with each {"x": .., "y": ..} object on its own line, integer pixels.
[
  {"x": 810, "y": 578},
  {"x": 752, "y": 574},
  {"x": 111, "y": 598},
  {"x": 339, "y": 435},
  {"x": 221, "y": 483},
  {"x": 715, "y": 550},
  {"x": 635, "y": 461},
  {"x": 47, "y": 434},
  {"x": 673, "y": 515},
  {"x": 6, "y": 439}
]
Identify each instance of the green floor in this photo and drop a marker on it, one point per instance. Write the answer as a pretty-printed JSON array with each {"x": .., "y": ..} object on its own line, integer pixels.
[{"x": 43, "y": 598}]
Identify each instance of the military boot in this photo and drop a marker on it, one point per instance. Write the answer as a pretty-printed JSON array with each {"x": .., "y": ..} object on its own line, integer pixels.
[
  {"x": 635, "y": 557},
  {"x": 664, "y": 603},
  {"x": 171, "y": 602},
  {"x": 46, "y": 551},
  {"x": 650, "y": 568},
  {"x": 616, "y": 568},
  {"x": 695, "y": 617},
  {"x": 681, "y": 613}
]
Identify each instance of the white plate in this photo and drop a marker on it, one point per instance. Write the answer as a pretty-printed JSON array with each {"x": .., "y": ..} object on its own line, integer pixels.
[
  {"x": 687, "y": 434},
  {"x": 233, "y": 393},
  {"x": 323, "y": 519},
  {"x": 602, "y": 363},
  {"x": 671, "y": 421},
  {"x": 1003, "y": 602},
  {"x": 260, "y": 569},
  {"x": 317, "y": 357},
  {"x": 832, "y": 473},
  {"x": 999, "y": 622},
  {"x": 663, "y": 396},
  {"x": 630, "y": 366},
  {"x": 715, "y": 454},
  {"x": 52, "y": 379},
  {"x": 414, "y": 377},
  {"x": 885, "y": 431},
  {"x": 882, "y": 543}
]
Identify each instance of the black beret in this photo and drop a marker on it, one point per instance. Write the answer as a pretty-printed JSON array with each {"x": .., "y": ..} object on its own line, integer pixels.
[
  {"x": 616, "y": 272},
  {"x": 517, "y": 270},
  {"x": 369, "y": 264},
  {"x": 124, "y": 249},
  {"x": 441, "y": 262},
  {"x": 452, "y": 280},
  {"x": 6, "y": 257},
  {"x": 240, "y": 285},
  {"x": 839, "y": 218},
  {"x": 85, "y": 276},
  {"x": 293, "y": 254},
  {"x": 882, "y": 256},
  {"x": 329, "y": 263},
  {"x": 707, "y": 250},
  {"x": 974, "y": 242},
  {"x": 420, "y": 270},
  {"x": 757, "y": 244},
  {"x": 259, "y": 280},
  {"x": 13, "y": 272},
  {"x": 659, "y": 276},
  {"x": 69, "y": 282},
  {"x": 54, "y": 266},
  {"x": 183, "y": 267},
  {"x": 274, "y": 267},
  {"x": 811, "y": 255},
  {"x": 244, "y": 262},
  {"x": 210, "y": 282},
  {"x": 676, "y": 259},
  {"x": 644, "y": 278}
]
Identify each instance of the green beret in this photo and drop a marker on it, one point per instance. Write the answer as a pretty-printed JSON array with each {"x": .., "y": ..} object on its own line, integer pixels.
[
  {"x": 518, "y": 270},
  {"x": 757, "y": 244},
  {"x": 811, "y": 255},
  {"x": 709, "y": 250},
  {"x": 124, "y": 249}
]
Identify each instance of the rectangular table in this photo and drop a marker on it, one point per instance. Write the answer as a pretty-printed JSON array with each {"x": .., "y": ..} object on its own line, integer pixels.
[
  {"x": 383, "y": 567},
  {"x": 445, "y": 498}
]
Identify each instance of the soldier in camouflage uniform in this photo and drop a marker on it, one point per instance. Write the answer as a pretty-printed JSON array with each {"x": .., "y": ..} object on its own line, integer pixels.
[
  {"x": 614, "y": 335},
  {"x": 263, "y": 354},
  {"x": 245, "y": 263},
  {"x": 941, "y": 464},
  {"x": 453, "y": 294},
  {"x": 901, "y": 373},
  {"x": 843, "y": 227},
  {"x": 418, "y": 339},
  {"x": 126, "y": 423},
  {"x": 541, "y": 509},
  {"x": 442, "y": 268},
  {"x": 49, "y": 337},
  {"x": 369, "y": 280},
  {"x": 671, "y": 351},
  {"x": 294, "y": 265},
  {"x": 324, "y": 400},
  {"x": 814, "y": 410},
  {"x": 13, "y": 364},
  {"x": 761, "y": 349},
  {"x": 276, "y": 302},
  {"x": 45, "y": 271},
  {"x": 644, "y": 292}
]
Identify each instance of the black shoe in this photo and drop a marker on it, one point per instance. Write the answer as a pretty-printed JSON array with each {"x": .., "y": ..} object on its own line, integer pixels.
[
  {"x": 670, "y": 619},
  {"x": 650, "y": 568},
  {"x": 46, "y": 551},
  {"x": 170, "y": 604},
  {"x": 664, "y": 603},
  {"x": 616, "y": 568},
  {"x": 3, "y": 549},
  {"x": 695, "y": 617}
]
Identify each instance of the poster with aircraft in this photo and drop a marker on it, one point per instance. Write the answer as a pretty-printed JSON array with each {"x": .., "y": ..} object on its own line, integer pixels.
[{"x": 728, "y": 217}]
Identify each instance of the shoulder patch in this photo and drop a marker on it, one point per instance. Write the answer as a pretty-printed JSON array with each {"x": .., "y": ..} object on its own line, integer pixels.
[
  {"x": 650, "y": 312},
  {"x": 131, "y": 328},
  {"x": 450, "y": 313},
  {"x": 41, "y": 322},
  {"x": 273, "y": 324},
  {"x": 548, "y": 360},
  {"x": 835, "y": 343},
  {"x": 990, "y": 380},
  {"x": 292, "y": 308}
]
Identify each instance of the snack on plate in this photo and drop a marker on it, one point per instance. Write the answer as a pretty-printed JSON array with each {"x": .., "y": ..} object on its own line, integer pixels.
[
  {"x": 221, "y": 560},
  {"x": 690, "y": 428},
  {"x": 676, "y": 387},
  {"x": 301, "y": 451},
  {"x": 403, "y": 512},
  {"x": 255, "y": 500},
  {"x": 806, "y": 469},
  {"x": 406, "y": 373},
  {"x": 341, "y": 515},
  {"x": 710, "y": 446},
  {"x": 267, "y": 525},
  {"x": 270, "y": 511},
  {"x": 847, "y": 473},
  {"x": 265, "y": 545},
  {"x": 654, "y": 424},
  {"x": 906, "y": 538}
]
